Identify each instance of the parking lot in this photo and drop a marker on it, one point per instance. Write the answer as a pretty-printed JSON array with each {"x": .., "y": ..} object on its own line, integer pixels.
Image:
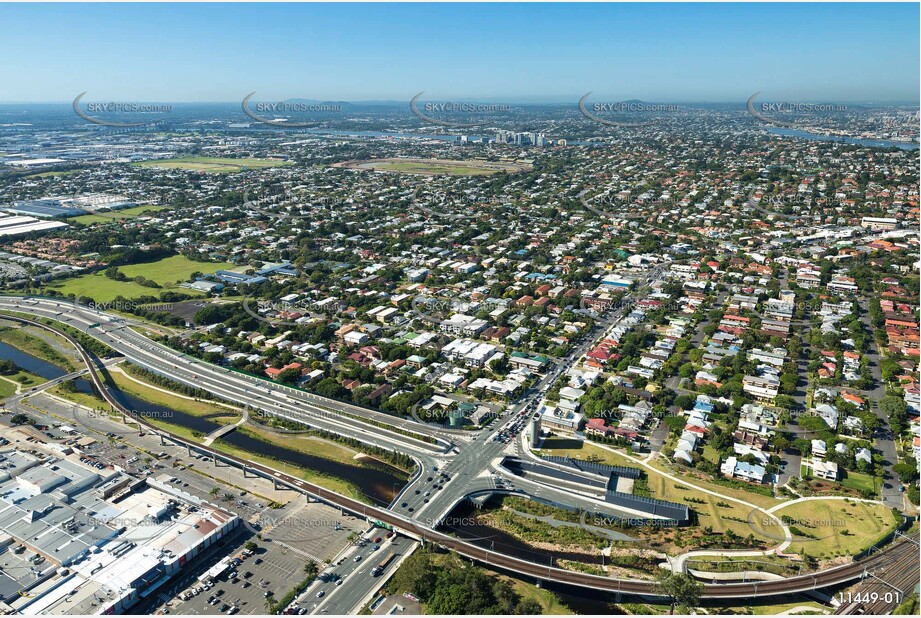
[
  {"x": 312, "y": 529},
  {"x": 287, "y": 538},
  {"x": 246, "y": 586}
]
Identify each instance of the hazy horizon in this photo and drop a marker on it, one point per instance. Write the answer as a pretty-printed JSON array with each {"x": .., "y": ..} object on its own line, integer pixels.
[{"x": 215, "y": 53}]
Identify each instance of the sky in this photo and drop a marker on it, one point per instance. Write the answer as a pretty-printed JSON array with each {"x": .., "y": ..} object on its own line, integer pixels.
[{"x": 209, "y": 52}]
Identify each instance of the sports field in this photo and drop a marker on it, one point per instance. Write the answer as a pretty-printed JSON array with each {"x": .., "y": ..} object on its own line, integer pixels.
[
  {"x": 168, "y": 272},
  {"x": 435, "y": 167},
  {"x": 216, "y": 165},
  {"x": 49, "y": 174},
  {"x": 127, "y": 213}
]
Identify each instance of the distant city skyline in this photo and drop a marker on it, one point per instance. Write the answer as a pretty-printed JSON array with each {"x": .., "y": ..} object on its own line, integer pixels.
[{"x": 539, "y": 53}]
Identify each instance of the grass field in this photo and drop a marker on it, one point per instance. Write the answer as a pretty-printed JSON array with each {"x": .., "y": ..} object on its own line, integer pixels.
[
  {"x": 778, "y": 608},
  {"x": 335, "y": 484},
  {"x": 116, "y": 215},
  {"x": 861, "y": 482},
  {"x": 840, "y": 527},
  {"x": 735, "y": 516},
  {"x": 26, "y": 340},
  {"x": 28, "y": 380},
  {"x": 216, "y": 165},
  {"x": 49, "y": 174},
  {"x": 586, "y": 451},
  {"x": 7, "y": 388},
  {"x": 434, "y": 167},
  {"x": 84, "y": 399},
  {"x": 189, "y": 406},
  {"x": 740, "y": 494},
  {"x": 309, "y": 445},
  {"x": 168, "y": 272},
  {"x": 218, "y": 414},
  {"x": 151, "y": 394},
  {"x": 172, "y": 270},
  {"x": 102, "y": 289}
]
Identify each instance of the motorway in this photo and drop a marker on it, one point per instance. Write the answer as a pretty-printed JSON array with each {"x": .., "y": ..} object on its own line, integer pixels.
[
  {"x": 469, "y": 470},
  {"x": 241, "y": 389},
  {"x": 830, "y": 577}
]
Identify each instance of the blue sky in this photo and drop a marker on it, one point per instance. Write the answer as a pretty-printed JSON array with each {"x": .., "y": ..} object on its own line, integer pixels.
[{"x": 654, "y": 52}]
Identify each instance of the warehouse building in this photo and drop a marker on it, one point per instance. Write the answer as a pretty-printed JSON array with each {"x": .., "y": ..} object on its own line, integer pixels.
[{"x": 80, "y": 540}]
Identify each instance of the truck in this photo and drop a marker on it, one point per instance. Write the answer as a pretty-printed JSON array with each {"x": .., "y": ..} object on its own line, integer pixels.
[{"x": 383, "y": 564}]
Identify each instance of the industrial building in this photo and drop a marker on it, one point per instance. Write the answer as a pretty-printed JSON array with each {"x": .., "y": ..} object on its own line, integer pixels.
[
  {"x": 76, "y": 539},
  {"x": 19, "y": 225}
]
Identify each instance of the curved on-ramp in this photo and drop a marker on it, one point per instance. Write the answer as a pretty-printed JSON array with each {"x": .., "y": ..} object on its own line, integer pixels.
[{"x": 802, "y": 583}]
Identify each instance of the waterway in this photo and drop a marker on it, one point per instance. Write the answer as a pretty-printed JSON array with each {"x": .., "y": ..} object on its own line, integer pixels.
[
  {"x": 39, "y": 367},
  {"x": 471, "y": 528},
  {"x": 378, "y": 481},
  {"x": 579, "y": 600},
  {"x": 879, "y": 143}
]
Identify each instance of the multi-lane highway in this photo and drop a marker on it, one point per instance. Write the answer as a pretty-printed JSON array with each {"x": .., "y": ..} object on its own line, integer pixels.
[
  {"x": 242, "y": 389},
  {"x": 835, "y": 576},
  {"x": 431, "y": 496}
]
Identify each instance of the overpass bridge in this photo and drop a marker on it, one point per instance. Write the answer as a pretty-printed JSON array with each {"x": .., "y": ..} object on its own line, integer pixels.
[{"x": 804, "y": 583}]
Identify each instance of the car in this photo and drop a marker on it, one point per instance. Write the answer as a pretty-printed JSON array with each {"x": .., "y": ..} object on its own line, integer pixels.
[
  {"x": 378, "y": 539},
  {"x": 428, "y": 480},
  {"x": 427, "y": 494},
  {"x": 223, "y": 608},
  {"x": 339, "y": 582},
  {"x": 403, "y": 505},
  {"x": 389, "y": 534},
  {"x": 375, "y": 547},
  {"x": 357, "y": 558},
  {"x": 321, "y": 594}
]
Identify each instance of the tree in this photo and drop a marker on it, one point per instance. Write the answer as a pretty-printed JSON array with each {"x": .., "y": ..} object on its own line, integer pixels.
[
  {"x": 417, "y": 575},
  {"x": 907, "y": 471},
  {"x": 684, "y": 401},
  {"x": 785, "y": 401},
  {"x": 683, "y": 590},
  {"x": 894, "y": 408},
  {"x": 290, "y": 375},
  {"x": 269, "y": 602}
]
